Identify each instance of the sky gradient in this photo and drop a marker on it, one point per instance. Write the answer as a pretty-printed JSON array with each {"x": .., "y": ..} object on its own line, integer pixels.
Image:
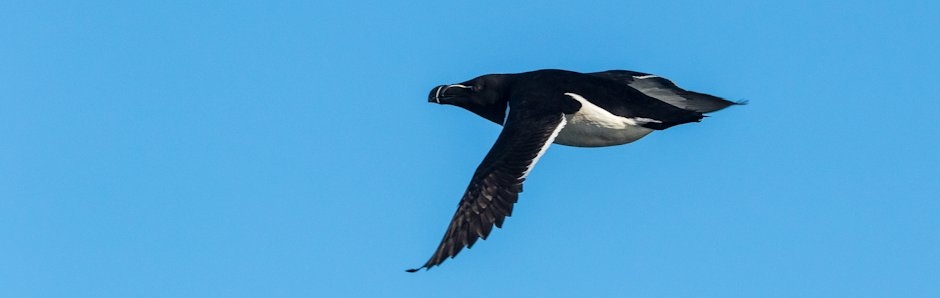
[{"x": 257, "y": 149}]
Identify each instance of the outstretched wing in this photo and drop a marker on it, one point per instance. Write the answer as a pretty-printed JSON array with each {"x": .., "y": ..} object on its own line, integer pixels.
[
  {"x": 497, "y": 182},
  {"x": 665, "y": 90}
]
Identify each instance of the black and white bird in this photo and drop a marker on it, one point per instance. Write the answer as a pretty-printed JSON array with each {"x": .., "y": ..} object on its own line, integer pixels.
[{"x": 553, "y": 106}]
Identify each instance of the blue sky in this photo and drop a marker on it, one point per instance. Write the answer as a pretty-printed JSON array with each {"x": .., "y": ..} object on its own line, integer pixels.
[{"x": 258, "y": 149}]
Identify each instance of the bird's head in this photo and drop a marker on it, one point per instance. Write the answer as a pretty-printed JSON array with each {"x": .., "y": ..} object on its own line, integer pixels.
[{"x": 484, "y": 96}]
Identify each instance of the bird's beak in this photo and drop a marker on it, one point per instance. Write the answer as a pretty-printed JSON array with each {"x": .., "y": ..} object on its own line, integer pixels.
[{"x": 448, "y": 91}]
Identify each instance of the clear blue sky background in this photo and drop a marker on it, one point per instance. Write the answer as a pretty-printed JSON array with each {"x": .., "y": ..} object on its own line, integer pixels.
[{"x": 260, "y": 149}]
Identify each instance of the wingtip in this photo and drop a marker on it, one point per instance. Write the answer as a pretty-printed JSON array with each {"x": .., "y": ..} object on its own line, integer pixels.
[{"x": 412, "y": 270}]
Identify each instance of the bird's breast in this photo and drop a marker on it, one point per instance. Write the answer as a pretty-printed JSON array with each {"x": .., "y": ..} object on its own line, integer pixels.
[{"x": 592, "y": 126}]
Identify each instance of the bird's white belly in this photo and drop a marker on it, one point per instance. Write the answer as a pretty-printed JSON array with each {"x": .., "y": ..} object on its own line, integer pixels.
[
  {"x": 586, "y": 132},
  {"x": 592, "y": 126}
]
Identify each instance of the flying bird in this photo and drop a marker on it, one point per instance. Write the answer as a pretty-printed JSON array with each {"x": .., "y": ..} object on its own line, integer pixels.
[{"x": 553, "y": 106}]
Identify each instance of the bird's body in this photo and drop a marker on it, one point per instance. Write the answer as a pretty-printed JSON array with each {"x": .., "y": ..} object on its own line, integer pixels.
[{"x": 553, "y": 106}]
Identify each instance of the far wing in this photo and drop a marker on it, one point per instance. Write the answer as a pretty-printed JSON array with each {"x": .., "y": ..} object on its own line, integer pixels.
[{"x": 665, "y": 90}]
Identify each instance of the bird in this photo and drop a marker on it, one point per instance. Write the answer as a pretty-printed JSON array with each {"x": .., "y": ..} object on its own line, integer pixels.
[{"x": 548, "y": 106}]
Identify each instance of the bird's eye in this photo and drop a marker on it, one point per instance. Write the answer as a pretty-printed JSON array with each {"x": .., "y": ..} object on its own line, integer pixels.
[{"x": 477, "y": 87}]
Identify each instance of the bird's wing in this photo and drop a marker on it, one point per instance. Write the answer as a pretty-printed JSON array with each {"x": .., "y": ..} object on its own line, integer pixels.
[
  {"x": 665, "y": 90},
  {"x": 497, "y": 182}
]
